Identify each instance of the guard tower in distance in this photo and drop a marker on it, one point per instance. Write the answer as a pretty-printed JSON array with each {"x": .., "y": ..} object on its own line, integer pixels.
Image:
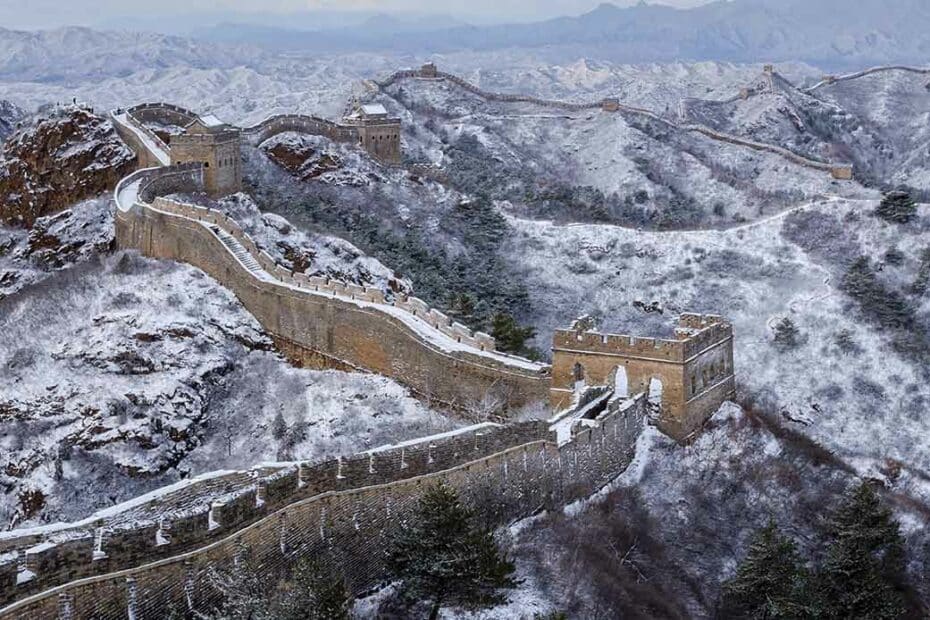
[
  {"x": 378, "y": 133},
  {"x": 216, "y": 144}
]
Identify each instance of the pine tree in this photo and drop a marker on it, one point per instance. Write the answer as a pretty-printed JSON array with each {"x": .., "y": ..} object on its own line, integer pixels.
[
  {"x": 279, "y": 426},
  {"x": 864, "y": 562},
  {"x": 509, "y": 335},
  {"x": 442, "y": 557},
  {"x": 897, "y": 207},
  {"x": 312, "y": 593},
  {"x": 768, "y": 583},
  {"x": 245, "y": 591},
  {"x": 787, "y": 335}
]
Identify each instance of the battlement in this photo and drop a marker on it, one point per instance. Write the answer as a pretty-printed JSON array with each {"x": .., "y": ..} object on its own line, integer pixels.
[
  {"x": 324, "y": 284},
  {"x": 694, "y": 333},
  {"x": 686, "y": 377},
  {"x": 283, "y": 511}
]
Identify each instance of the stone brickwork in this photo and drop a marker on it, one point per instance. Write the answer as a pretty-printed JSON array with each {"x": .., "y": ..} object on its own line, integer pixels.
[
  {"x": 300, "y": 123},
  {"x": 327, "y": 323},
  {"x": 342, "y": 511},
  {"x": 218, "y": 149},
  {"x": 687, "y": 378},
  {"x": 380, "y": 138}
]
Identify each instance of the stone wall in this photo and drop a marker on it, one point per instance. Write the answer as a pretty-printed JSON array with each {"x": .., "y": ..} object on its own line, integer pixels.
[
  {"x": 166, "y": 113},
  {"x": 144, "y": 157},
  {"x": 325, "y": 328},
  {"x": 220, "y": 154},
  {"x": 381, "y": 140},
  {"x": 611, "y": 104},
  {"x": 300, "y": 123},
  {"x": 688, "y": 377},
  {"x": 344, "y": 512}
]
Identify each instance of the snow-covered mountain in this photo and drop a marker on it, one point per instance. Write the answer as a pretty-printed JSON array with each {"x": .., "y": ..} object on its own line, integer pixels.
[
  {"x": 68, "y": 54},
  {"x": 123, "y": 373},
  {"x": 828, "y": 32},
  {"x": 878, "y": 122},
  {"x": 10, "y": 114}
]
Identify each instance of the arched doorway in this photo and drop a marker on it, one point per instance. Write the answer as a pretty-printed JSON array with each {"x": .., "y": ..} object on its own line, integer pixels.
[
  {"x": 655, "y": 392},
  {"x": 621, "y": 384},
  {"x": 578, "y": 377}
]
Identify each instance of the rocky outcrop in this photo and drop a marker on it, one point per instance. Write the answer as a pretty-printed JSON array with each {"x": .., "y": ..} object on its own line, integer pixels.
[
  {"x": 315, "y": 158},
  {"x": 57, "y": 161},
  {"x": 10, "y": 114}
]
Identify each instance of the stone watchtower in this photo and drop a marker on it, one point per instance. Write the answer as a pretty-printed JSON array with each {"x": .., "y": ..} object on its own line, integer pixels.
[
  {"x": 378, "y": 133},
  {"x": 209, "y": 140},
  {"x": 686, "y": 379}
]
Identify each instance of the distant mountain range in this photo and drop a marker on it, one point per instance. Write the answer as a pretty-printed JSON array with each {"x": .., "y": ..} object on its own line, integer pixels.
[{"x": 830, "y": 33}]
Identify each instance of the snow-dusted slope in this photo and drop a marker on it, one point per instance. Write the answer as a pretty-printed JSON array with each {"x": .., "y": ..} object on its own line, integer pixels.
[
  {"x": 123, "y": 374},
  {"x": 650, "y": 172},
  {"x": 10, "y": 114},
  {"x": 849, "y": 383},
  {"x": 879, "y": 122}
]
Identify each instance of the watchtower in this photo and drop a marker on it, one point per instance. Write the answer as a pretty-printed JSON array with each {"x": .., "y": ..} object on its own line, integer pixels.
[
  {"x": 686, "y": 378},
  {"x": 610, "y": 104},
  {"x": 378, "y": 133},
  {"x": 216, "y": 144}
]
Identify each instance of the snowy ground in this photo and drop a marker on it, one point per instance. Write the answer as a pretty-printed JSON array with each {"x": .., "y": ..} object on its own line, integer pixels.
[
  {"x": 627, "y": 155},
  {"x": 306, "y": 252},
  {"x": 866, "y": 404},
  {"x": 123, "y": 374}
]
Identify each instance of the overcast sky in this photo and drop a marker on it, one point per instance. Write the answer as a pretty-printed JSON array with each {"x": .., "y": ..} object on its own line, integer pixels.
[{"x": 53, "y": 13}]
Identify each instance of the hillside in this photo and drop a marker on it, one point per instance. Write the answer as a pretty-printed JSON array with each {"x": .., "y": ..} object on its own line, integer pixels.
[
  {"x": 128, "y": 373},
  {"x": 9, "y": 116},
  {"x": 877, "y": 122},
  {"x": 593, "y": 166},
  {"x": 70, "y": 155}
]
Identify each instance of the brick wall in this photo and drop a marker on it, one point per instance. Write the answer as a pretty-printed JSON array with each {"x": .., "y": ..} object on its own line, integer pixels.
[
  {"x": 323, "y": 330},
  {"x": 345, "y": 512}
]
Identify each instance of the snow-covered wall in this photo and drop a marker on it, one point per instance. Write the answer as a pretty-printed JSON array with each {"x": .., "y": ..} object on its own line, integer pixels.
[
  {"x": 328, "y": 323},
  {"x": 342, "y": 511}
]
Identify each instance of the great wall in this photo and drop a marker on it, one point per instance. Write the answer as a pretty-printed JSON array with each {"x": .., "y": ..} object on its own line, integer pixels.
[
  {"x": 160, "y": 552},
  {"x": 834, "y": 79},
  {"x": 430, "y": 72}
]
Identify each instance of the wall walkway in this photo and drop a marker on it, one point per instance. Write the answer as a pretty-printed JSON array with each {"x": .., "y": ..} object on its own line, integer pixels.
[
  {"x": 838, "y": 170},
  {"x": 148, "y": 557}
]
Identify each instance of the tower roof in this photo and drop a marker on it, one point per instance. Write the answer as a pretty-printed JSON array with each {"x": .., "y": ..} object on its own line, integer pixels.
[{"x": 208, "y": 123}]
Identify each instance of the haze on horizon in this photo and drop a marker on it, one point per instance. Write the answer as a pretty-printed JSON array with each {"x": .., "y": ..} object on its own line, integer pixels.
[{"x": 48, "y": 14}]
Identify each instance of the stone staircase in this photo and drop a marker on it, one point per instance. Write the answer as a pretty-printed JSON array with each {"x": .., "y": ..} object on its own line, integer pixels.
[{"x": 242, "y": 255}]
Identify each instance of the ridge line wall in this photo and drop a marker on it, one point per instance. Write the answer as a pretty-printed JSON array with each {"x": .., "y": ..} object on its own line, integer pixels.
[
  {"x": 412, "y": 305},
  {"x": 350, "y": 529},
  {"x": 364, "y": 337},
  {"x": 840, "y": 171}
]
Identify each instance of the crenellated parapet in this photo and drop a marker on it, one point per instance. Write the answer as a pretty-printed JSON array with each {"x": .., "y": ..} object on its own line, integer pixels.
[
  {"x": 687, "y": 378},
  {"x": 841, "y": 171},
  {"x": 155, "y": 553},
  {"x": 323, "y": 322},
  {"x": 436, "y": 319}
]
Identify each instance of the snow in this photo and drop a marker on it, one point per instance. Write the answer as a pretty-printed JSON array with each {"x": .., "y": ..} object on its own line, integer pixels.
[
  {"x": 122, "y": 119},
  {"x": 753, "y": 274},
  {"x": 475, "y": 428},
  {"x": 373, "y": 109},
  {"x": 151, "y": 373},
  {"x": 210, "y": 120},
  {"x": 419, "y": 326}
]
